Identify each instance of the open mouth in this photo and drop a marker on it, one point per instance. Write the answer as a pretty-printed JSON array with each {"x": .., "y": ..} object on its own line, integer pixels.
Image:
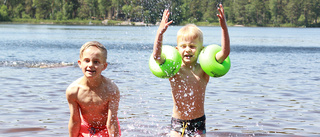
[
  {"x": 188, "y": 56},
  {"x": 91, "y": 71}
]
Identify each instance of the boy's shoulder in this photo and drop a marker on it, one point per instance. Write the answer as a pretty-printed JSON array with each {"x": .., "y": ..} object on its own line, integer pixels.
[
  {"x": 74, "y": 87},
  {"x": 110, "y": 85}
]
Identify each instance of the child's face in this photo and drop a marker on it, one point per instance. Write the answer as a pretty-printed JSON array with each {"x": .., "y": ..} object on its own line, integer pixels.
[
  {"x": 92, "y": 62},
  {"x": 189, "y": 49}
]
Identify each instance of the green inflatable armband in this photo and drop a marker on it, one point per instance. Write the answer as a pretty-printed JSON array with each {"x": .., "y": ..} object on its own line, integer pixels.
[
  {"x": 171, "y": 65},
  {"x": 209, "y": 64}
]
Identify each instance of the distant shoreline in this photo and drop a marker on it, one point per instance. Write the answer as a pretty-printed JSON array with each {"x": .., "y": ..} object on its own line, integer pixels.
[
  {"x": 77, "y": 22},
  {"x": 125, "y": 23}
]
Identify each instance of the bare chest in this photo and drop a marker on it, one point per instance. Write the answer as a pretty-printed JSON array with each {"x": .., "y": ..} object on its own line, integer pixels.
[
  {"x": 92, "y": 98},
  {"x": 186, "y": 77},
  {"x": 188, "y": 82}
]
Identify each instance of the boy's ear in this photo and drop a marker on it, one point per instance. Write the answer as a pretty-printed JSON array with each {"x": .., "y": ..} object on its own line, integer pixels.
[
  {"x": 105, "y": 65},
  {"x": 79, "y": 63}
]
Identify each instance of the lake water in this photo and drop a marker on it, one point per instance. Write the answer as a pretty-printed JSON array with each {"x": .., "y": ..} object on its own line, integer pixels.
[{"x": 272, "y": 88}]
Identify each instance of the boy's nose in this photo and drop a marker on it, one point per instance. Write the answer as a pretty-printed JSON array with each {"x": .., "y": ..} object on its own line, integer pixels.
[
  {"x": 188, "y": 48},
  {"x": 90, "y": 63}
]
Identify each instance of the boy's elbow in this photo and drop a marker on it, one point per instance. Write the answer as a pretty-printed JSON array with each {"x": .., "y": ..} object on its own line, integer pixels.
[
  {"x": 222, "y": 55},
  {"x": 160, "y": 60},
  {"x": 226, "y": 54},
  {"x": 156, "y": 56},
  {"x": 157, "y": 59}
]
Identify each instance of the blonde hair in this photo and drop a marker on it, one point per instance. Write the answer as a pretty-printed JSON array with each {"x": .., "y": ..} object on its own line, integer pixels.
[
  {"x": 190, "y": 31},
  {"x": 96, "y": 44}
]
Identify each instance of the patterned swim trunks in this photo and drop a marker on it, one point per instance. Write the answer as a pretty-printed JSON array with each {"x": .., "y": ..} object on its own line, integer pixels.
[{"x": 189, "y": 127}]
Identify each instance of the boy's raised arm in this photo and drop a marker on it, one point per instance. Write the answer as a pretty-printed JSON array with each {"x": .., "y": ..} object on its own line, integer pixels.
[
  {"x": 112, "y": 122},
  {"x": 225, "y": 41},
  {"x": 158, "y": 41}
]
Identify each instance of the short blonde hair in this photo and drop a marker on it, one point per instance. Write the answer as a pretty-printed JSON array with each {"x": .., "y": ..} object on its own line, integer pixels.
[
  {"x": 190, "y": 31},
  {"x": 96, "y": 44}
]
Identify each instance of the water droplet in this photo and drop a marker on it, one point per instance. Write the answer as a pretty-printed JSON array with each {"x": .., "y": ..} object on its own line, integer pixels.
[
  {"x": 173, "y": 80},
  {"x": 185, "y": 95},
  {"x": 191, "y": 93}
]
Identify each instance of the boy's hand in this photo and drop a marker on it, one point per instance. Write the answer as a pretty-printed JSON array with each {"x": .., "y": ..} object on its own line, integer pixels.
[
  {"x": 222, "y": 18},
  {"x": 164, "y": 22},
  {"x": 225, "y": 40},
  {"x": 158, "y": 41}
]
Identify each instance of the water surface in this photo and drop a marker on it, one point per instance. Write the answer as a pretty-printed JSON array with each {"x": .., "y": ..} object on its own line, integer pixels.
[{"x": 271, "y": 89}]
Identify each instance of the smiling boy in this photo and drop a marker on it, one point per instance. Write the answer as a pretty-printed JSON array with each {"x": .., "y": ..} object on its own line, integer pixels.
[
  {"x": 93, "y": 99},
  {"x": 189, "y": 84}
]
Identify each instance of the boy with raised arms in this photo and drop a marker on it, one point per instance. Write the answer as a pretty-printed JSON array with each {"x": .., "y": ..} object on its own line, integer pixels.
[
  {"x": 93, "y": 99},
  {"x": 189, "y": 84}
]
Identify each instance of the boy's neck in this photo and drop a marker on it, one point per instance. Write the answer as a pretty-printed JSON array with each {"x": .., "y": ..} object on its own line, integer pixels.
[
  {"x": 93, "y": 83},
  {"x": 188, "y": 65}
]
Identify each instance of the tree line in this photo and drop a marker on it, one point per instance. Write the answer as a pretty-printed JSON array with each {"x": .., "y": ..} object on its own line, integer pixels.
[{"x": 238, "y": 12}]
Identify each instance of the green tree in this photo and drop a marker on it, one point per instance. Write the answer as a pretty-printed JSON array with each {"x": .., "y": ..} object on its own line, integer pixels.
[
  {"x": 83, "y": 10},
  {"x": 67, "y": 10},
  {"x": 293, "y": 11},
  {"x": 155, "y": 10},
  {"x": 195, "y": 10},
  {"x": 104, "y": 6},
  {"x": 11, "y": 4},
  {"x": 4, "y": 13},
  {"x": 146, "y": 17},
  {"x": 240, "y": 11},
  {"x": 176, "y": 10},
  {"x": 260, "y": 12},
  {"x": 88, "y": 9},
  {"x": 315, "y": 11},
  {"x": 29, "y": 9},
  {"x": 210, "y": 11},
  {"x": 250, "y": 14},
  {"x": 246, "y": 12},
  {"x": 75, "y": 7},
  {"x": 273, "y": 5},
  {"x": 18, "y": 11},
  {"x": 303, "y": 20},
  {"x": 42, "y": 8},
  {"x": 137, "y": 13},
  {"x": 115, "y": 8},
  {"x": 56, "y": 9},
  {"x": 185, "y": 8},
  {"x": 127, "y": 10}
]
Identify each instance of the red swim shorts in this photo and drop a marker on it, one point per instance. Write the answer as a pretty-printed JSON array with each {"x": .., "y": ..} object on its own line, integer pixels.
[{"x": 87, "y": 131}]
